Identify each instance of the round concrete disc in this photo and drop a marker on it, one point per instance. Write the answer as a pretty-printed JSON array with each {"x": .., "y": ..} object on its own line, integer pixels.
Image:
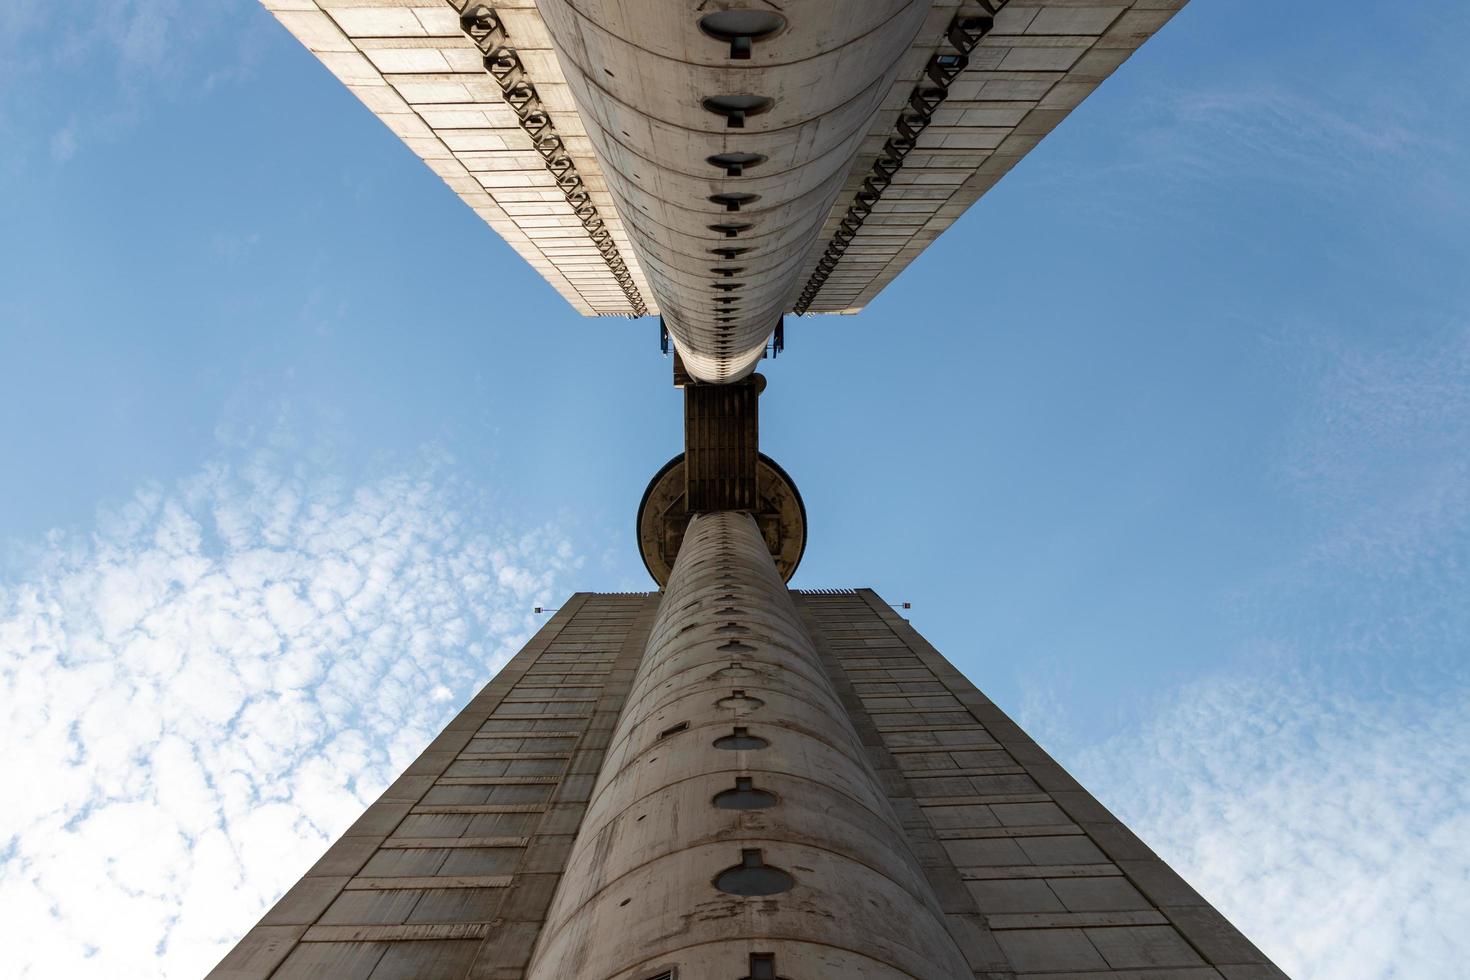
[{"x": 662, "y": 518}]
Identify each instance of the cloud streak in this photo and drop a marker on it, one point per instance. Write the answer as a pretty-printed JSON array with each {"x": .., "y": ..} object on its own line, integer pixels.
[
  {"x": 198, "y": 695},
  {"x": 1332, "y": 827}
]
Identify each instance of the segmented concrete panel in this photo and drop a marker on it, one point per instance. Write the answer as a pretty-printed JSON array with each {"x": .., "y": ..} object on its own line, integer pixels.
[
  {"x": 450, "y": 872},
  {"x": 589, "y": 803},
  {"x": 1040, "y": 879},
  {"x": 411, "y": 63}
]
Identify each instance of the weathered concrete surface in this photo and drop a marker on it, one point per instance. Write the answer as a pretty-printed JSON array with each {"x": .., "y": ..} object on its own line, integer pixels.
[
  {"x": 1038, "y": 63},
  {"x": 411, "y": 64},
  {"x": 643, "y": 889}
]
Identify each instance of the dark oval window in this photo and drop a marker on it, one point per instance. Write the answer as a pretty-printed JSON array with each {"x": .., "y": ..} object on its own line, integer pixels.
[
  {"x": 741, "y": 28},
  {"x": 731, "y": 230},
  {"x": 745, "y": 796},
  {"x": 734, "y": 164},
  {"x": 733, "y": 201},
  {"x": 722, "y": 25},
  {"x": 737, "y": 108},
  {"x": 739, "y": 701},
  {"x": 752, "y": 876},
  {"x": 740, "y": 740}
]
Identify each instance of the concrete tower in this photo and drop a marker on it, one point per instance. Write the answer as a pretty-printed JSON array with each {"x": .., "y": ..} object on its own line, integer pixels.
[{"x": 725, "y": 779}]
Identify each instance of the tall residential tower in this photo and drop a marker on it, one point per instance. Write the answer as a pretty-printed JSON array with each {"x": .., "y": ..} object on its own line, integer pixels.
[{"x": 725, "y": 779}]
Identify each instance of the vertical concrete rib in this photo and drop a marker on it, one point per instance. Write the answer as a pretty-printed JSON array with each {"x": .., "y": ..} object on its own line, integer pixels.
[
  {"x": 736, "y": 829},
  {"x": 725, "y": 136}
]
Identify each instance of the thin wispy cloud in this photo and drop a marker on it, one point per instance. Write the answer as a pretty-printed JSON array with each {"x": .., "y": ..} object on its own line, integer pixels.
[
  {"x": 1318, "y": 790},
  {"x": 1283, "y": 134},
  {"x": 129, "y": 60},
  {"x": 1351, "y": 133},
  {"x": 1376, "y": 462},
  {"x": 200, "y": 693}
]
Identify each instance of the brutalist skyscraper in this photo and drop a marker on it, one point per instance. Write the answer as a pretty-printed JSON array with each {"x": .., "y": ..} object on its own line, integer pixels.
[{"x": 727, "y": 780}]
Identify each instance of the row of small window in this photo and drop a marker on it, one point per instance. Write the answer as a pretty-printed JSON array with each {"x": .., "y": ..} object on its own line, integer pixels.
[{"x": 740, "y": 29}]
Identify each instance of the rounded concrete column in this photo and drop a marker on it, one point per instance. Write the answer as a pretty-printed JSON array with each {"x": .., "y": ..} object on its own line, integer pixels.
[
  {"x": 726, "y": 131},
  {"x": 736, "y": 829}
]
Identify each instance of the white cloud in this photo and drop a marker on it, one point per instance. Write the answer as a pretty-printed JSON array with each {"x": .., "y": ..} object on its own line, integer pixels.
[
  {"x": 1332, "y": 828},
  {"x": 196, "y": 697}
]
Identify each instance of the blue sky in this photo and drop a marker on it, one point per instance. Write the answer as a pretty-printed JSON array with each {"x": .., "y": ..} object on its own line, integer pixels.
[{"x": 1165, "y": 441}]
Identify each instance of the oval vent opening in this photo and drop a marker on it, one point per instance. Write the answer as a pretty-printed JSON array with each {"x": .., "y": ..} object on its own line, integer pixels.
[
  {"x": 753, "y": 877},
  {"x": 741, "y": 28},
  {"x": 738, "y": 108},
  {"x": 740, "y": 740},
  {"x": 735, "y": 164},
  {"x": 745, "y": 796}
]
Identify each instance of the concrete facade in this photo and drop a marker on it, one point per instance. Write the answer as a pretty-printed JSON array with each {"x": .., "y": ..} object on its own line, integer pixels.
[
  {"x": 578, "y": 820},
  {"x": 656, "y": 84},
  {"x": 623, "y": 83}
]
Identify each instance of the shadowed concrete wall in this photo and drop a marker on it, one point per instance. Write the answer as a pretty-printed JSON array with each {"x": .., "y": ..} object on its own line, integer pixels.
[{"x": 736, "y": 815}]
